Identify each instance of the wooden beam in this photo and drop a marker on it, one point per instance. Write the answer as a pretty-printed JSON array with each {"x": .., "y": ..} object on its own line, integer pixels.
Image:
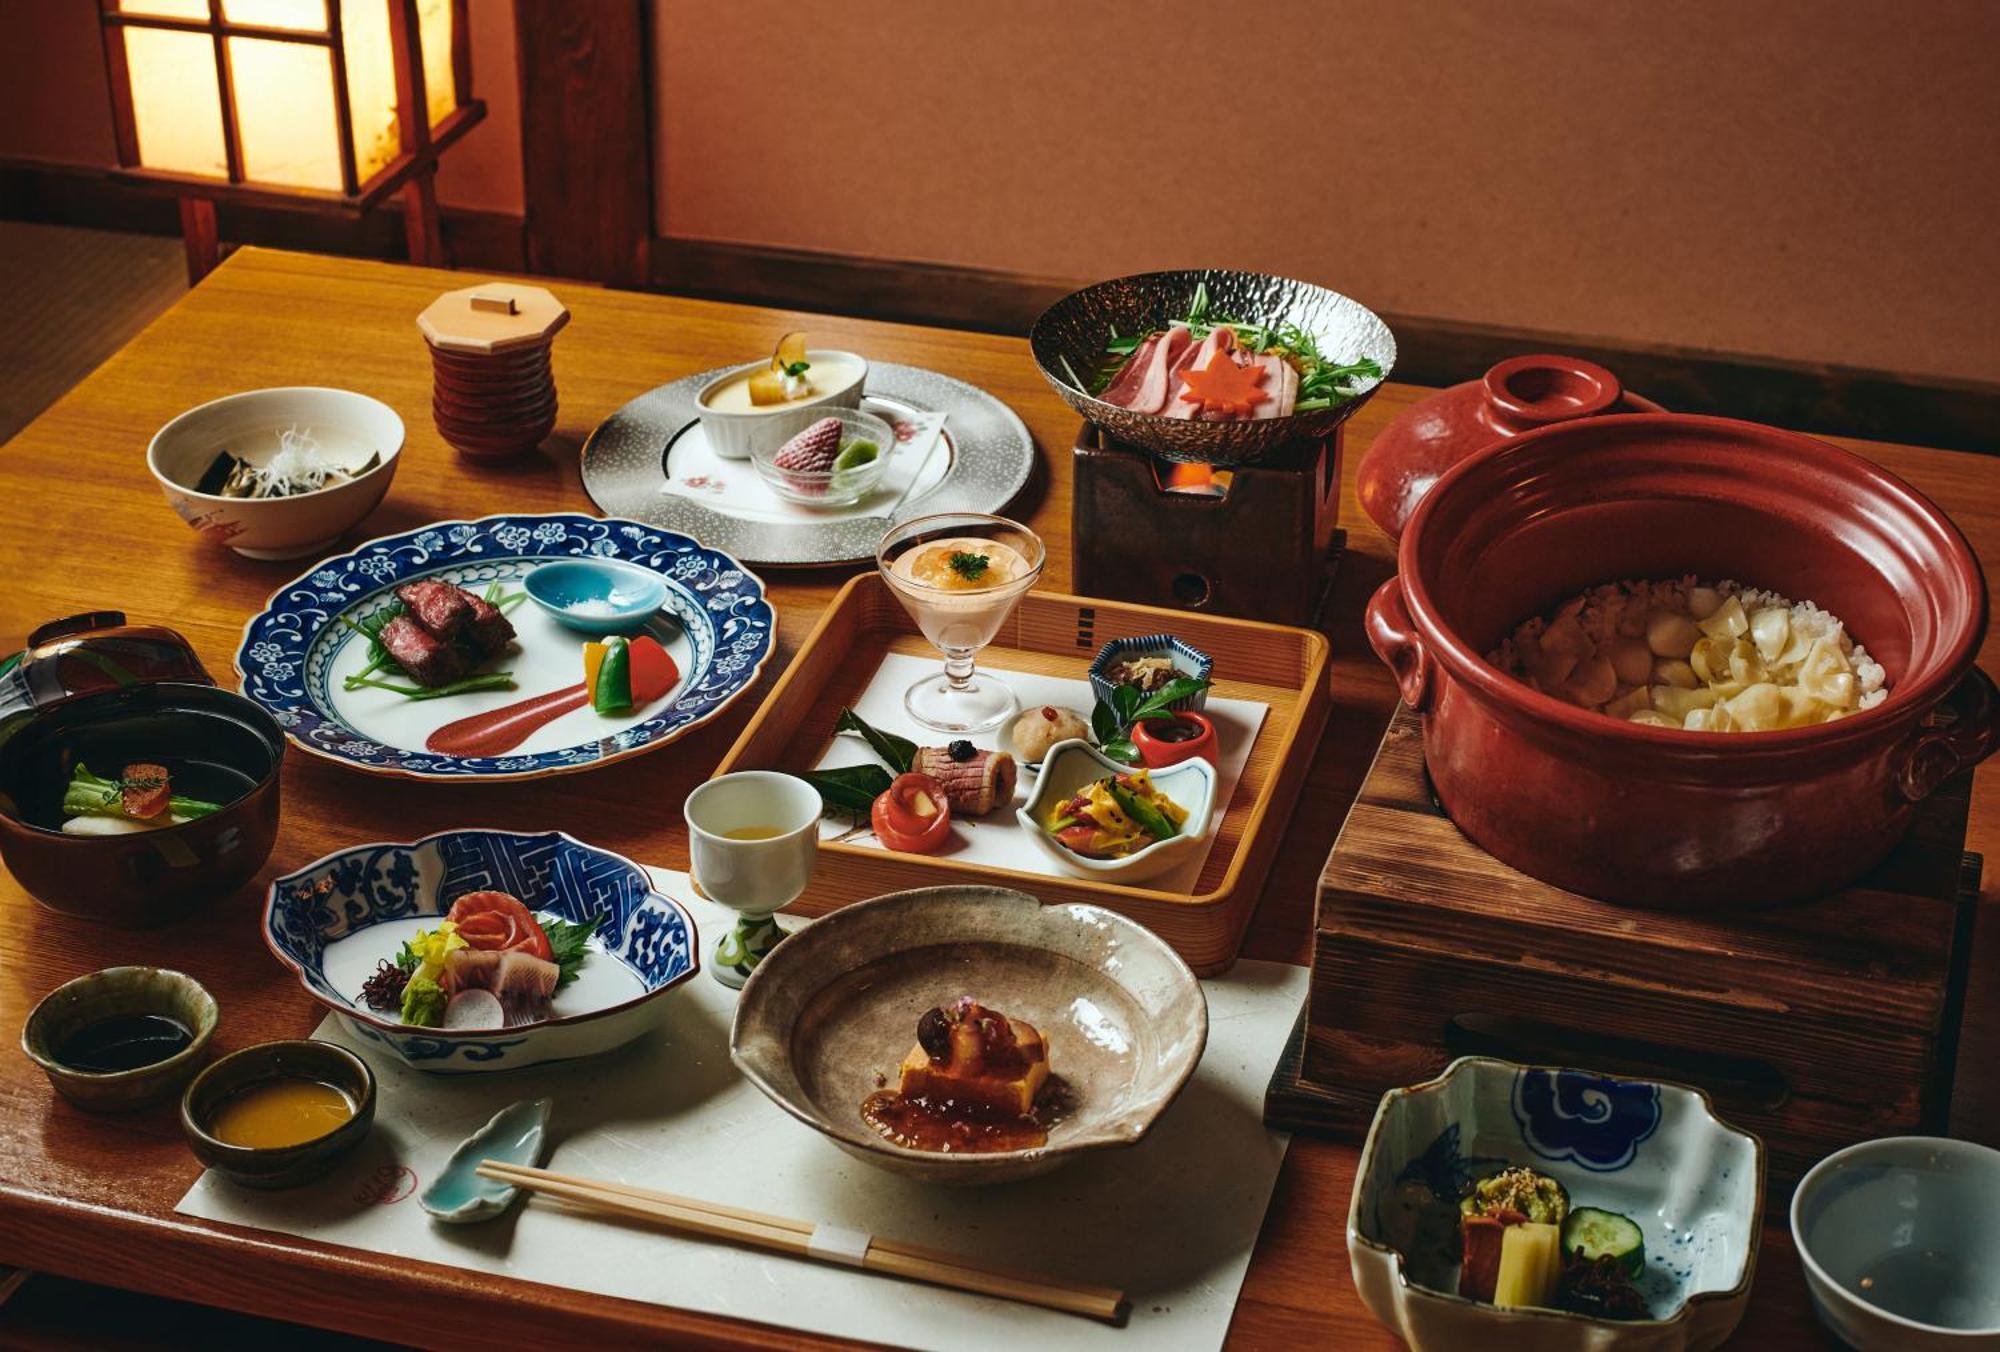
[
  {"x": 118, "y": 76},
  {"x": 420, "y": 222},
  {"x": 587, "y": 164},
  {"x": 100, "y": 199},
  {"x": 198, "y": 233}
]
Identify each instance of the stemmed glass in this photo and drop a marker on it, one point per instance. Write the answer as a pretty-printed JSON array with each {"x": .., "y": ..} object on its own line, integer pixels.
[{"x": 959, "y": 575}]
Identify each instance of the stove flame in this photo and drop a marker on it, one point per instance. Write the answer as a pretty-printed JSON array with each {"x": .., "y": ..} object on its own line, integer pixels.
[{"x": 1200, "y": 480}]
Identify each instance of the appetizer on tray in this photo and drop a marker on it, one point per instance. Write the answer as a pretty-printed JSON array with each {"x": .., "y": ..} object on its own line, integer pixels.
[
  {"x": 413, "y": 947},
  {"x": 412, "y": 655}
]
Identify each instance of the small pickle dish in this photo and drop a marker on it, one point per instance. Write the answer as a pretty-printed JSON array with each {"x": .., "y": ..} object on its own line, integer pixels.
[{"x": 1550, "y": 1210}]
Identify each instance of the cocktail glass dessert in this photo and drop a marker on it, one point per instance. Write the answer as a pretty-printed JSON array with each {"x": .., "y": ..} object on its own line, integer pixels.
[
  {"x": 753, "y": 838},
  {"x": 959, "y": 575}
]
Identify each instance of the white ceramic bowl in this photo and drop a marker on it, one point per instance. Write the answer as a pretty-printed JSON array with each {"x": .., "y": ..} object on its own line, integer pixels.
[
  {"x": 1900, "y": 1241},
  {"x": 1072, "y": 764},
  {"x": 736, "y": 435},
  {"x": 1651, "y": 1151},
  {"x": 275, "y": 528}
]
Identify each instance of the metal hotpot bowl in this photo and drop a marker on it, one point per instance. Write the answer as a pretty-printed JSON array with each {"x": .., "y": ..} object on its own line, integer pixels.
[
  {"x": 1068, "y": 343},
  {"x": 1657, "y": 816},
  {"x": 93, "y": 690}
]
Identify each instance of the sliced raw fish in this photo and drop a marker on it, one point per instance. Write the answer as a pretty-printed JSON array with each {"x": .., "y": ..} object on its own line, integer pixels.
[
  {"x": 474, "y": 1009},
  {"x": 525, "y": 985},
  {"x": 523, "y": 982}
]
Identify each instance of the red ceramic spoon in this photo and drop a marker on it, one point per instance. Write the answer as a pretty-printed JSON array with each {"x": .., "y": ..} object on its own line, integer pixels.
[{"x": 498, "y": 731}]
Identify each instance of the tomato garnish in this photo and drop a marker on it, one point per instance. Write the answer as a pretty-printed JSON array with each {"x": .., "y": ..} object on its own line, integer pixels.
[
  {"x": 499, "y": 922},
  {"x": 145, "y": 790},
  {"x": 912, "y": 814}
]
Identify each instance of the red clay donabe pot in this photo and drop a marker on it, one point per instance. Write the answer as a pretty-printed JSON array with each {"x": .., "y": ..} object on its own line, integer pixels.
[
  {"x": 1514, "y": 396},
  {"x": 1656, "y": 816}
]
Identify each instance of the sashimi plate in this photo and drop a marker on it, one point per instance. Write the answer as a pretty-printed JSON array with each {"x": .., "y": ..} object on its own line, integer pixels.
[
  {"x": 295, "y": 657},
  {"x": 333, "y": 921},
  {"x": 958, "y": 449}
]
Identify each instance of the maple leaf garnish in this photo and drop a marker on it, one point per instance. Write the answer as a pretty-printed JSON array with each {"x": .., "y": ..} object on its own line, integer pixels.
[{"x": 1225, "y": 387}]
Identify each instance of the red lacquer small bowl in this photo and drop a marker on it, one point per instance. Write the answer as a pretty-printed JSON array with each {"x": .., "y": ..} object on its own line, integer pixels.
[{"x": 1159, "y": 752}]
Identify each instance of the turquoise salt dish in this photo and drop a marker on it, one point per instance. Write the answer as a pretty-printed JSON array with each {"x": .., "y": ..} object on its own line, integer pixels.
[
  {"x": 517, "y": 1134},
  {"x": 597, "y": 596}
]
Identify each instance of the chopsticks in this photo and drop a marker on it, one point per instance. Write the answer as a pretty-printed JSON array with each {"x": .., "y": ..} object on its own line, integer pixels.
[{"x": 824, "y": 1243}]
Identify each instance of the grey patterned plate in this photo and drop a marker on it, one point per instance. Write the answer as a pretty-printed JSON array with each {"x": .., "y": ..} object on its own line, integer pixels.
[
  {"x": 1071, "y": 335},
  {"x": 986, "y": 450}
]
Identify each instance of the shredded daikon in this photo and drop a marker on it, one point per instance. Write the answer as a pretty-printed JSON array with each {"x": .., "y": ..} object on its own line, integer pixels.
[
  {"x": 298, "y": 466},
  {"x": 1682, "y": 654}
]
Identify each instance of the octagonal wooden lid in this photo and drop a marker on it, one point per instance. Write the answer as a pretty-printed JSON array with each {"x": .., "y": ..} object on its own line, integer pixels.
[{"x": 492, "y": 317}]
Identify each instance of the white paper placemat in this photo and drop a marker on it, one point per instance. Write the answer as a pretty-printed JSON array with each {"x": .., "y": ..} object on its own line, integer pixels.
[
  {"x": 998, "y": 838},
  {"x": 1172, "y": 1220}
]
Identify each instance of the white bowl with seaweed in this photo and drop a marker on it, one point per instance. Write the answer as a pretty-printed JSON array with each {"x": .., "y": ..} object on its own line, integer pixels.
[{"x": 278, "y": 473}]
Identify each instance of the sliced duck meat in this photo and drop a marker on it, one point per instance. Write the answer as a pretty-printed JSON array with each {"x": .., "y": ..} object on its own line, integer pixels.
[
  {"x": 442, "y": 609},
  {"x": 1144, "y": 382},
  {"x": 1284, "y": 387},
  {"x": 489, "y": 631},
  {"x": 429, "y": 661}
]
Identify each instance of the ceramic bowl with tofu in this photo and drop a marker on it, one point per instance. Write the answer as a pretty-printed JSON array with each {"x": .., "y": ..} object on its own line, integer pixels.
[
  {"x": 1083, "y": 1020},
  {"x": 1655, "y": 1182}
]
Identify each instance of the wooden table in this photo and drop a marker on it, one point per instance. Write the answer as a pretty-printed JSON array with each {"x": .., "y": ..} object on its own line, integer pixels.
[{"x": 82, "y": 526}]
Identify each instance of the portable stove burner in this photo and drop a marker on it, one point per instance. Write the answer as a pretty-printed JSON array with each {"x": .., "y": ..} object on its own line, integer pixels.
[{"x": 1258, "y": 541}]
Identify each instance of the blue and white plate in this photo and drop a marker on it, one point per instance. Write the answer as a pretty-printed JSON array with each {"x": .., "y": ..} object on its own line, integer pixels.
[
  {"x": 1653, "y": 1151},
  {"x": 717, "y": 624},
  {"x": 334, "y": 920}
]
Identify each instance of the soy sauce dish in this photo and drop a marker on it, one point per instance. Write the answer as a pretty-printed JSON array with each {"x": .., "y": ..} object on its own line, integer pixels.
[
  {"x": 280, "y": 1113},
  {"x": 122, "y": 1038}
]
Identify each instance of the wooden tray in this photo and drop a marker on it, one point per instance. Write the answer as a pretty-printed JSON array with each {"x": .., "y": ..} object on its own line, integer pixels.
[
  {"x": 1053, "y": 633},
  {"x": 1815, "y": 1025}
]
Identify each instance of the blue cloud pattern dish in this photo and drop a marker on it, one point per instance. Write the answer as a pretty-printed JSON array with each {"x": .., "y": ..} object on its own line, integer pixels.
[
  {"x": 715, "y": 621},
  {"x": 333, "y": 920},
  {"x": 1652, "y": 1151}
]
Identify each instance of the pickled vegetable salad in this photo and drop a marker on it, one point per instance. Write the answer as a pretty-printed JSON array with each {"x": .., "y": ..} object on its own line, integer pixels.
[{"x": 1116, "y": 816}]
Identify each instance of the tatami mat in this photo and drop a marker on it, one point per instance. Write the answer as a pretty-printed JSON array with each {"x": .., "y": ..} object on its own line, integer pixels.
[{"x": 73, "y": 297}]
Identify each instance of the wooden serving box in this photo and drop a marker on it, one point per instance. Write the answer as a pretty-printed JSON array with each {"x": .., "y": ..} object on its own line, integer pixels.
[
  {"x": 1057, "y": 634},
  {"x": 1814, "y": 1025}
]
